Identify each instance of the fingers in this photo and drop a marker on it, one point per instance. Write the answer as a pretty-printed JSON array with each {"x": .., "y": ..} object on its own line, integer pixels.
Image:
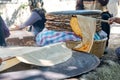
[
  {"x": 0, "y": 61},
  {"x": 111, "y": 20}
]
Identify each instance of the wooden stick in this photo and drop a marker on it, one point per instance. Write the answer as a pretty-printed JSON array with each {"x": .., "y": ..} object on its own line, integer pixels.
[
  {"x": 5, "y": 59},
  {"x": 103, "y": 20}
]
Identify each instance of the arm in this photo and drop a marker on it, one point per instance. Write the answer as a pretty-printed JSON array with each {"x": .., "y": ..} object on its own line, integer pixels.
[
  {"x": 0, "y": 61},
  {"x": 32, "y": 19},
  {"x": 103, "y": 2},
  {"x": 114, "y": 19},
  {"x": 79, "y": 5}
]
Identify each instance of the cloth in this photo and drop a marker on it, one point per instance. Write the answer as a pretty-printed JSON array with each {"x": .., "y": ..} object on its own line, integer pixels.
[
  {"x": 91, "y": 5},
  {"x": 39, "y": 24},
  {"x": 47, "y": 37},
  {"x": 96, "y": 37},
  {"x": 36, "y": 20},
  {"x": 102, "y": 34},
  {"x": 32, "y": 19},
  {"x": 4, "y": 32},
  {"x": 4, "y": 27}
]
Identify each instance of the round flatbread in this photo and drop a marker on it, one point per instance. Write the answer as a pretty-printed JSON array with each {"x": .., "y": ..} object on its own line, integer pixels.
[{"x": 48, "y": 55}]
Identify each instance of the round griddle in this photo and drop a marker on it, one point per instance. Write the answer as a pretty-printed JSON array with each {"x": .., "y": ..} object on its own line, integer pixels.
[{"x": 79, "y": 63}]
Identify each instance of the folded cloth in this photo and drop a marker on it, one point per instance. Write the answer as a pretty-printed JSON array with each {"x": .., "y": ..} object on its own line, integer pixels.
[
  {"x": 102, "y": 34},
  {"x": 96, "y": 37},
  {"x": 47, "y": 37}
]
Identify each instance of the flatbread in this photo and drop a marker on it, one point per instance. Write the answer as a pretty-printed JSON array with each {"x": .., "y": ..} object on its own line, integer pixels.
[
  {"x": 75, "y": 26},
  {"x": 84, "y": 27},
  {"x": 42, "y": 56},
  {"x": 48, "y": 55}
]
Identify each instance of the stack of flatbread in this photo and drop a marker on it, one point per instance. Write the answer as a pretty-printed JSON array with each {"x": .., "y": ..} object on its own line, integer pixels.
[{"x": 58, "y": 22}]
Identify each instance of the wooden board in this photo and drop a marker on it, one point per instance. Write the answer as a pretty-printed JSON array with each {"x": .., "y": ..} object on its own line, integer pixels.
[{"x": 8, "y": 64}]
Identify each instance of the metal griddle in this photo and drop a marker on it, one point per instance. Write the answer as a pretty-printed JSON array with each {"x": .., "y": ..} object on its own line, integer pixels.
[
  {"x": 79, "y": 63},
  {"x": 77, "y": 12}
]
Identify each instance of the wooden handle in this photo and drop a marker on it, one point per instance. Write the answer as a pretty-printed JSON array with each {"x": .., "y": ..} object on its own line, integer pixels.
[
  {"x": 103, "y": 20},
  {"x": 5, "y": 59},
  {"x": 0, "y": 60}
]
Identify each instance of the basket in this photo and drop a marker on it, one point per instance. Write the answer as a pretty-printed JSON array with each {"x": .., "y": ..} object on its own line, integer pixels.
[
  {"x": 60, "y": 21},
  {"x": 97, "y": 49}
]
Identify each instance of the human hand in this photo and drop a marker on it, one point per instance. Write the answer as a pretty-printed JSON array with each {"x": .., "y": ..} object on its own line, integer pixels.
[
  {"x": 111, "y": 20},
  {"x": 14, "y": 27},
  {"x": 114, "y": 19},
  {"x": 0, "y": 61}
]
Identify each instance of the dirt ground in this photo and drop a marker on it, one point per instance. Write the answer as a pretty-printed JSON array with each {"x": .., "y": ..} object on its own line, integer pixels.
[{"x": 114, "y": 42}]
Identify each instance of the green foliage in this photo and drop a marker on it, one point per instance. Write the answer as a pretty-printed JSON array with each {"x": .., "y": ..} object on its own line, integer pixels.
[
  {"x": 106, "y": 72},
  {"x": 23, "y": 6}
]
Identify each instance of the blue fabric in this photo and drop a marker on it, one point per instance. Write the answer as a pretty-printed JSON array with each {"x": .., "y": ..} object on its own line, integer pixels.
[
  {"x": 4, "y": 27},
  {"x": 96, "y": 37},
  {"x": 4, "y": 32},
  {"x": 49, "y": 36}
]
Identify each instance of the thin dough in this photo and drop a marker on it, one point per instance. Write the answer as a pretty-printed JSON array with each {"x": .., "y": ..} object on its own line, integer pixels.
[{"x": 86, "y": 30}]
